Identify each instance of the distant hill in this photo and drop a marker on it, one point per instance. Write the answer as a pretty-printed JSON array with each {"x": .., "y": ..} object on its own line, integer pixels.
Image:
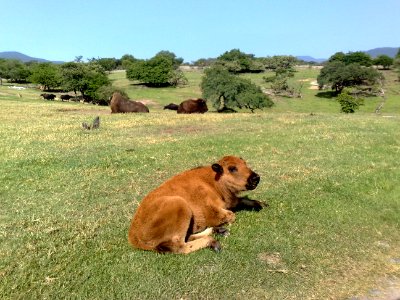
[
  {"x": 389, "y": 51},
  {"x": 311, "y": 59},
  {"x": 23, "y": 57}
]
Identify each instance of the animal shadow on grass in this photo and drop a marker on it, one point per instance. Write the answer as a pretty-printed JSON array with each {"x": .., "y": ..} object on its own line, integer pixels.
[
  {"x": 247, "y": 204},
  {"x": 327, "y": 94}
]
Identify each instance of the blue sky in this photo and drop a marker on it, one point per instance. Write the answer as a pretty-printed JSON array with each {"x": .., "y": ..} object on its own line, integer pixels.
[{"x": 193, "y": 29}]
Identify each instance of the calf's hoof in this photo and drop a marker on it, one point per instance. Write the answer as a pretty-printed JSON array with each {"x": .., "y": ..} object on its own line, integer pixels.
[{"x": 215, "y": 245}]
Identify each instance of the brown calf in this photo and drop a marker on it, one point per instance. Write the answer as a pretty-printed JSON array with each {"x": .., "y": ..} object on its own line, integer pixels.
[{"x": 180, "y": 215}]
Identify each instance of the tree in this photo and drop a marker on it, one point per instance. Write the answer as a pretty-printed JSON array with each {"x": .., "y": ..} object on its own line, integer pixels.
[
  {"x": 85, "y": 78},
  {"x": 14, "y": 70},
  {"x": 46, "y": 74},
  {"x": 236, "y": 61},
  {"x": 358, "y": 57},
  {"x": 204, "y": 62},
  {"x": 72, "y": 74},
  {"x": 108, "y": 64},
  {"x": 95, "y": 78},
  {"x": 127, "y": 60},
  {"x": 283, "y": 66},
  {"x": 339, "y": 75},
  {"x": 384, "y": 61},
  {"x": 348, "y": 103},
  {"x": 280, "y": 63},
  {"x": 396, "y": 62},
  {"x": 176, "y": 61},
  {"x": 338, "y": 56},
  {"x": 161, "y": 70},
  {"x": 227, "y": 91}
]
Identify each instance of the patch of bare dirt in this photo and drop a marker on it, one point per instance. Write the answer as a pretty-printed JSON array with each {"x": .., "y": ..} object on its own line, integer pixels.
[
  {"x": 273, "y": 261},
  {"x": 389, "y": 289},
  {"x": 149, "y": 102}
]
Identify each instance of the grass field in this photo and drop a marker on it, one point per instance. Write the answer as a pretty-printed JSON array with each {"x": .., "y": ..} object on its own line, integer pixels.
[{"x": 67, "y": 196}]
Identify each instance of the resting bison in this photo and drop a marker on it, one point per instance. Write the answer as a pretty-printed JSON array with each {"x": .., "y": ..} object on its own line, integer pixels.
[
  {"x": 171, "y": 106},
  {"x": 66, "y": 97},
  {"x": 48, "y": 96},
  {"x": 120, "y": 104},
  {"x": 192, "y": 106},
  {"x": 180, "y": 215}
]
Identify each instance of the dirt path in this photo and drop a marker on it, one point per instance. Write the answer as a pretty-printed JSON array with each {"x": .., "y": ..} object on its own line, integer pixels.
[{"x": 389, "y": 290}]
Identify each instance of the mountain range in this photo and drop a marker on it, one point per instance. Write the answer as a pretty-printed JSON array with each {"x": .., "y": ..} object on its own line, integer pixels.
[
  {"x": 23, "y": 57},
  {"x": 389, "y": 51}
]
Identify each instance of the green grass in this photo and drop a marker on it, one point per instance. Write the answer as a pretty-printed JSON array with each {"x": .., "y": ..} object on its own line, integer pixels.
[{"x": 67, "y": 197}]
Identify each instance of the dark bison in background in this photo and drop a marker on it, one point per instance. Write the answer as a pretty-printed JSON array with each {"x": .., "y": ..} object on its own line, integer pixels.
[
  {"x": 66, "y": 97},
  {"x": 48, "y": 96},
  {"x": 171, "y": 106},
  {"x": 120, "y": 104},
  {"x": 192, "y": 106}
]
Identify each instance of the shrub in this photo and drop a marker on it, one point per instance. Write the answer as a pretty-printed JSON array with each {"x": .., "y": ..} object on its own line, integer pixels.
[
  {"x": 227, "y": 91},
  {"x": 104, "y": 94},
  {"x": 348, "y": 103}
]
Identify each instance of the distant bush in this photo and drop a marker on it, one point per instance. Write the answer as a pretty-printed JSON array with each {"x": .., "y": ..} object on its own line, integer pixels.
[
  {"x": 236, "y": 61},
  {"x": 161, "y": 70},
  {"x": 85, "y": 78},
  {"x": 348, "y": 103},
  {"x": 339, "y": 75},
  {"x": 227, "y": 91},
  {"x": 104, "y": 94}
]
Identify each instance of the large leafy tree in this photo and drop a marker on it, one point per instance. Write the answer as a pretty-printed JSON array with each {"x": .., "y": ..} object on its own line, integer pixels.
[
  {"x": 384, "y": 61},
  {"x": 108, "y": 64},
  {"x": 339, "y": 75},
  {"x": 284, "y": 68},
  {"x": 227, "y": 91},
  {"x": 14, "y": 70},
  {"x": 357, "y": 57},
  {"x": 86, "y": 78},
  {"x": 236, "y": 61},
  {"x": 46, "y": 74},
  {"x": 127, "y": 60},
  {"x": 396, "y": 62},
  {"x": 161, "y": 70}
]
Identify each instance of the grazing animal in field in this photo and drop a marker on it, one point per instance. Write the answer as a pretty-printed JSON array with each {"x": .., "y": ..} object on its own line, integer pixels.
[
  {"x": 120, "y": 104},
  {"x": 66, "y": 97},
  {"x": 95, "y": 124},
  {"x": 192, "y": 106},
  {"x": 171, "y": 106},
  {"x": 48, "y": 96},
  {"x": 181, "y": 214}
]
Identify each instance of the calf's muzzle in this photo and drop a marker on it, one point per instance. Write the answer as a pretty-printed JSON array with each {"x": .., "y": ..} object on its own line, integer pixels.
[{"x": 252, "y": 181}]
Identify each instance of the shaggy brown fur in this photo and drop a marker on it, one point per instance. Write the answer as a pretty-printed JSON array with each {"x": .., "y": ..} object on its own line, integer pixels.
[
  {"x": 179, "y": 215},
  {"x": 192, "y": 106},
  {"x": 120, "y": 104}
]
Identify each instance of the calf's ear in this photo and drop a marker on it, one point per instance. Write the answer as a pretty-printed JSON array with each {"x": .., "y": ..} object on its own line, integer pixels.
[{"x": 217, "y": 168}]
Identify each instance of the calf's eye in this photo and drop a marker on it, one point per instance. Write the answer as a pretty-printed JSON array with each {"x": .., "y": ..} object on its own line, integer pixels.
[{"x": 232, "y": 169}]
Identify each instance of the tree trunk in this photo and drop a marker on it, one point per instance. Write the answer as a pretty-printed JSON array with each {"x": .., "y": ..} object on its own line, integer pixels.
[{"x": 221, "y": 103}]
